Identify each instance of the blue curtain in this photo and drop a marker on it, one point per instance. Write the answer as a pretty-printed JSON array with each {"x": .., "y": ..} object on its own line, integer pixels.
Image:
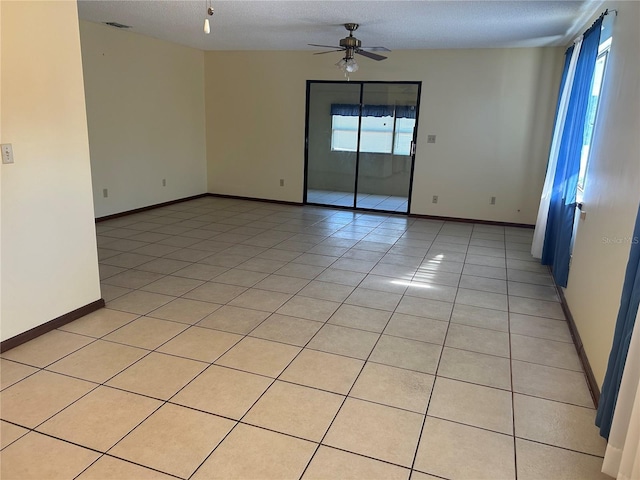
[
  {"x": 622, "y": 337},
  {"x": 350, "y": 110},
  {"x": 565, "y": 71},
  {"x": 557, "y": 241},
  {"x": 405, "y": 111},
  {"x": 344, "y": 109}
]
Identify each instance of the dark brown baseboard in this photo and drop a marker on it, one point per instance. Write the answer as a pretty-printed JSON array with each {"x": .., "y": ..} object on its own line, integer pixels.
[
  {"x": 577, "y": 341},
  {"x": 255, "y": 199},
  {"x": 471, "y": 220},
  {"x": 50, "y": 325},
  {"x": 356, "y": 210},
  {"x": 298, "y": 204},
  {"x": 150, "y": 207}
]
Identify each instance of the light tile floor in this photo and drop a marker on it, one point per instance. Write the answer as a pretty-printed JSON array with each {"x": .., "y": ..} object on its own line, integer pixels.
[
  {"x": 252, "y": 340},
  {"x": 370, "y": 201}
]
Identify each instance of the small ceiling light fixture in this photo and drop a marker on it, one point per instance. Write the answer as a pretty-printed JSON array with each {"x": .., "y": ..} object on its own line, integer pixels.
[
  {"x": 348, "y": 64},
  {"x": 207, "y": 27}
]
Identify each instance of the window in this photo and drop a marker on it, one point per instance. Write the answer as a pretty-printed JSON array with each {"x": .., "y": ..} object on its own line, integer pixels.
[
  {"x": 383, "y": 128},
  {"x": 592, "y": 110}
]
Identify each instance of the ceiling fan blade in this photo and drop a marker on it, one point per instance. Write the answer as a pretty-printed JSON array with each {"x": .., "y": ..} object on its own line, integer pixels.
[
  {"x": 372, "y": 56},
  {"x": 375, "y": 49},
  {"x": 328, "y": 51},
  {"x": 324, "y": 46}
]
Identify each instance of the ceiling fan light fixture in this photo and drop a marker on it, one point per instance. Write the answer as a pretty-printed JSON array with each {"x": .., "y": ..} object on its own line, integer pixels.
[
  {"x": 347, "y": 65},
  {"x": 351, "y": 65},
  {"x": 350, "y": 46}
]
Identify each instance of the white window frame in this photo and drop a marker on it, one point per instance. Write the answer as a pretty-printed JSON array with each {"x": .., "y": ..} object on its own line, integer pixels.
[{"x": 603, "y": 55}]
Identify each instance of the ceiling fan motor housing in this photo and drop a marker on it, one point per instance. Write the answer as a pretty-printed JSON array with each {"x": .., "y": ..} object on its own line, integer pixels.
[{"x": 350, "y": 42}]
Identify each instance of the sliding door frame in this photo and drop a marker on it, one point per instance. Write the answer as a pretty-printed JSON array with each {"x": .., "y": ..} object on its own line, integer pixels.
[{"x": 362, "y": 84}]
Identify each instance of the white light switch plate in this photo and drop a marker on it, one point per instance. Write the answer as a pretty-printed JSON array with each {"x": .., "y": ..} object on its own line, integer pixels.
[{"x": 7, "y": 153}]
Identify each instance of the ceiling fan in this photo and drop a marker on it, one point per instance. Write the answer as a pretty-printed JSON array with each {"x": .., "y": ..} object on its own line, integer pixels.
[{"x": 351, "y": 45}]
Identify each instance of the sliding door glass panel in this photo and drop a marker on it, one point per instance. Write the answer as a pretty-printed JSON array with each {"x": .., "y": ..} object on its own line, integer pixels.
[
  {"x": 387, "y": 127},
  {"x": 332, "y": 143}
]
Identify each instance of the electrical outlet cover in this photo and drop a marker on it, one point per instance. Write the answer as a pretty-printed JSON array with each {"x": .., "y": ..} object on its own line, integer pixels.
[{"x": 7, "y": 153}]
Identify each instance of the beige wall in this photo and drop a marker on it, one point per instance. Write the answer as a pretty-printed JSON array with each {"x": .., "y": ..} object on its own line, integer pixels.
[
  {"x": 1, "y": 169},
  {"x": 145, "y": 107},
  {"x": 49, "y": 260},
  {"x": 491, "y": 109},
  {"x": 612, "y": 193}
]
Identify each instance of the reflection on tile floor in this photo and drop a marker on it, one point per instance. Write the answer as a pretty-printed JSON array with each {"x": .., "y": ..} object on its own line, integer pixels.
[
  {"x": 370, "y": 201},
  {"x": 253, "y": 340}
]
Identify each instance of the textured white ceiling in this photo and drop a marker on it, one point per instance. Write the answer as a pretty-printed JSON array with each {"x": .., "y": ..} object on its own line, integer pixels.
[{"x": 395, "y": 24}]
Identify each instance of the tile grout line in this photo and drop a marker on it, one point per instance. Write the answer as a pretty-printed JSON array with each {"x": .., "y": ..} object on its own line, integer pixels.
[
  {"x": 435, "y": 379},
  {"x": 513, "y": 406}
]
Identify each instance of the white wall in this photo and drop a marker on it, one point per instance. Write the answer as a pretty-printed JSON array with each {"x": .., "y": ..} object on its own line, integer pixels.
[
  {"x": 145, "y": 107},
  {"x": 612, "y": 193},
  {"x": 49, "y": 258},
  {"x": 491, "y": 109}
]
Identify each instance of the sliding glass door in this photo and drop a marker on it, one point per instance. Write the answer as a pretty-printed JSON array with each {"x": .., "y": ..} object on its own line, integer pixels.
[
  {"x": 330, "y": 168},
  {"x": 387, "y": 131},
  {"x": 360, "y": 144}
]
